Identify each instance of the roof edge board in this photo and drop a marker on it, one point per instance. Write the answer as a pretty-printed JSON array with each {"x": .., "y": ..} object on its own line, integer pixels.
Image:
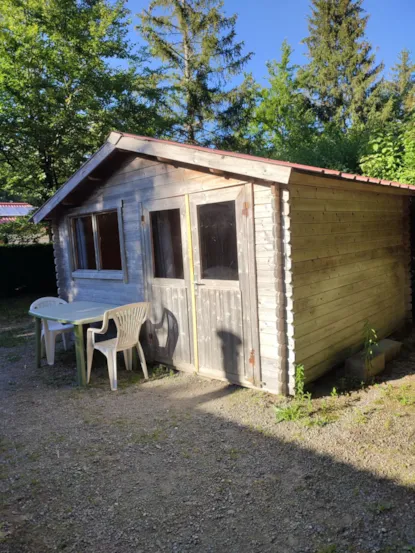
[{"x": 212, "y": 160}]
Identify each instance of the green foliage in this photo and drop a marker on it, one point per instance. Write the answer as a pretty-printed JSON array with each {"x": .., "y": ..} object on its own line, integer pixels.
[
  {"x": 21, "y": 231},
  {"x": 59, "y": 95},
  {"x": 370, "y": 343},
  {"x": 30, "y": 269},
  {"x": 391, "y": 152},
  {"x": 283, "y": 118},
  {"x": 196, "y": 43}
]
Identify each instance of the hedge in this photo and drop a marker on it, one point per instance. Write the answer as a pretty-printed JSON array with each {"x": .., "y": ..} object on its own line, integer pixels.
[{"x": 27, "y": 269}]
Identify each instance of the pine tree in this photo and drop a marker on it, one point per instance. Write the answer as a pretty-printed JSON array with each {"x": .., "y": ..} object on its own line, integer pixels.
[
  {"x": 197, "y": 43},
  {"x": 403, "y": 85},
  {"x": 342, "y": 77}
]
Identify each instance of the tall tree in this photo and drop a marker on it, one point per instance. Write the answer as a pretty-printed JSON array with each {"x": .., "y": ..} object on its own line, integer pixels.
[
  {"x": 342, "y": 77},
  {"x": 197, "y": 42},
  {"x": 59, "y": 94},
  {"x": 402, "y": 85}
]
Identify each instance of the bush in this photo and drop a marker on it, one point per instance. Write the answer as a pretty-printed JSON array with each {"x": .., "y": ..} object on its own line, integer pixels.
[{"x": 27, "y": 269}]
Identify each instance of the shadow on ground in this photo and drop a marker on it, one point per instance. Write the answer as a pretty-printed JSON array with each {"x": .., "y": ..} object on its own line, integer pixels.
[{"x": 180, "y": 464}]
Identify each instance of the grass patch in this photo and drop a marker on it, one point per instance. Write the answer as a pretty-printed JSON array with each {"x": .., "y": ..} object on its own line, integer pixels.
[
  {"x": 155, "y": 436},
  {"x": 160, "y": 371},
  {"x": 12, "y": 338},
  {"x": 13, "y": 358}
]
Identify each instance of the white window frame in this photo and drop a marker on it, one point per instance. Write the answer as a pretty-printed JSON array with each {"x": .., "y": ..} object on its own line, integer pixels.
[{"x": 98, "y": 273}]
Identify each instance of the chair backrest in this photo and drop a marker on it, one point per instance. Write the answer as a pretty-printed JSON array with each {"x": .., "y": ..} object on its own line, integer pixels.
[
  {"x": 128, "y": 319},
  {"x": 46, "y": 302}
]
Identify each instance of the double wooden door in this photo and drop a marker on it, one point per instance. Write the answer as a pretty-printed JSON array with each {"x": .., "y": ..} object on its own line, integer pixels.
[{"x": 198, "y": 282}]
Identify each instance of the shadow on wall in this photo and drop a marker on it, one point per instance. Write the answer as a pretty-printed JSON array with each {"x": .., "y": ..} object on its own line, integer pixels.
[
  {"x": 160, "y": 338},
  {"x": 232, "y": 360}
]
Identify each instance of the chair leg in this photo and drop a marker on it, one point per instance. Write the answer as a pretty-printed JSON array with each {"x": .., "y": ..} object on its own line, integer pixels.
[
  {"x": 89, "y": 356},
  {"x": 64, "y": 341},
  {"x": 112, "y": 369},
  {"x": 142, "y": 360},
  {"x": 50, "y": 338},
  {"x": 128, "y": 359}
]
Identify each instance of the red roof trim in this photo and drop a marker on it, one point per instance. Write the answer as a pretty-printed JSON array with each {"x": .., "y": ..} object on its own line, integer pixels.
[
  {"x": 15, "y": 204},
  {"x": 298, "y": 166}
]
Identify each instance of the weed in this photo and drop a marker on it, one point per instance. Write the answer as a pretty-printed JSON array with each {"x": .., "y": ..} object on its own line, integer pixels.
[
  {"x": 150, "y": 437},
  {"x": 328, "y": 549},
  {"x": 293, "y": 411},
  {"x": 234, "y": 453},
  {"x": 334, "y": 393},
  {"x": 161, "y": 371},
  {"x": 322, "y": 420},
  {"x": 360, "y": 417},
  {"x": 13, "y": 358},
  {"x": 298, "y": 407},
  {"x": 379, "y": 508},
  {"x": 370, "y": 342}
]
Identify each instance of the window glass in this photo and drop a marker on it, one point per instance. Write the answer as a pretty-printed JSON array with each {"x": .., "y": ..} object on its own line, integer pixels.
[
  {"x": 218, "y": 245},
  {"x": 84, "y": 243},
  {"x": 167, "y": 243},
  {"x": 109, "y": 241}
]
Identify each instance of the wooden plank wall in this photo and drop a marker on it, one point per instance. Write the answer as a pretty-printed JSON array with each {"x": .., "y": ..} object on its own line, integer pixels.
[
  {"x": 271, "y": 304},
  {"x": 350, "y": 263}
]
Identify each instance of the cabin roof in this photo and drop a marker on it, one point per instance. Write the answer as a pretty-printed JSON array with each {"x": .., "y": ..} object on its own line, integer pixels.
[{"x": 219, "y": 161}]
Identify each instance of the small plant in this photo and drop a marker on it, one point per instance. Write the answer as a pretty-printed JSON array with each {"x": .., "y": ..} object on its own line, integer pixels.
[
  {"x": 370, "y": 343},
  {"x": 328, "y": 549},
  {"x": 298, "y": 407},
  {"x": 299, "y": 381},
  {"x": 334, "y": 393},
  {"x": 290, "y": 412}
]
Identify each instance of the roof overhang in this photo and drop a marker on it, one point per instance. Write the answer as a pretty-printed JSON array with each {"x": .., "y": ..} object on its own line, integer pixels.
[{"x": 218, "y": 161}]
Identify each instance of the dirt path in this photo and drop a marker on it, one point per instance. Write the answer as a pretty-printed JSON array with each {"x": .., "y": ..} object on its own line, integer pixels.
[{"x": 181, "y": 464}]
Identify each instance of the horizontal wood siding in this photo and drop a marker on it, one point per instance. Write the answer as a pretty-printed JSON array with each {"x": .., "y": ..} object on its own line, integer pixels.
[
  {"x": 271, "y": 303},
  {"x": 350, "y": 264}
]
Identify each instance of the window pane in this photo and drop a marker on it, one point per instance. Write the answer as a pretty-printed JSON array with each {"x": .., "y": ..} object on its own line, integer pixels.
[
  {"x": 109, "y": 241},
  {"x": 217, "y": 235},
  {"x": 84, "y": 243},
  {"x": 167, "y": 243}
]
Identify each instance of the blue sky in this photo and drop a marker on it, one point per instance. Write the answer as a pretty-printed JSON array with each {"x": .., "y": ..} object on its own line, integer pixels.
[{"x": 264, "y": 24}]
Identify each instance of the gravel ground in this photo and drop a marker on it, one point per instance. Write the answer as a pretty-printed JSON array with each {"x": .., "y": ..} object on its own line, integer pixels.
[{"x": 181, "y": 464}]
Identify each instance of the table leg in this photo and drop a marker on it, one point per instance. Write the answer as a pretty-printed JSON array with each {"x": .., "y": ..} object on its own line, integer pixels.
[
  {"x": 135, "y": 359},
  {"x": 80, "y": 354},
  {"x": 38, "y": 345}
]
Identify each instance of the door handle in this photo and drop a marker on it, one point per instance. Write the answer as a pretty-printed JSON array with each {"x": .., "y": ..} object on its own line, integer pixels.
[{"x": 199, "y": 284}]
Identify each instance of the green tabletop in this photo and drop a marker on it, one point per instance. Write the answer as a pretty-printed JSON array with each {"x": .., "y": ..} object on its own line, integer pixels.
[{"x": 77, "y": 313}]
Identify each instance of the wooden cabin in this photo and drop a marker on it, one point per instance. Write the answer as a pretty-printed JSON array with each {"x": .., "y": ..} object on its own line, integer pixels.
[{"x": 251, "y": 265}]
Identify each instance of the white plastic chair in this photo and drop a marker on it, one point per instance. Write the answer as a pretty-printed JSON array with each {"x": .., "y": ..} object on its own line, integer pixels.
[
  {"x": 51, "y": 329},
  {"x": 128, "y": 320}
]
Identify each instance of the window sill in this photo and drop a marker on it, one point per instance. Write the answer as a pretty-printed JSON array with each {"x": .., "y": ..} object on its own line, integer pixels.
[{"x": 98, "y": 275}]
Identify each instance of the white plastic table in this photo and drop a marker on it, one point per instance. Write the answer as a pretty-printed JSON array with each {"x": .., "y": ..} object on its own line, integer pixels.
[{"x": 77, "y": 313}]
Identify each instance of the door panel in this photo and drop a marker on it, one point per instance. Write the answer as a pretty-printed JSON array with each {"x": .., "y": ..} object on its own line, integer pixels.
[
  {"x": 169, "y": 336},
  {"x": 220, "y": 272}
]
